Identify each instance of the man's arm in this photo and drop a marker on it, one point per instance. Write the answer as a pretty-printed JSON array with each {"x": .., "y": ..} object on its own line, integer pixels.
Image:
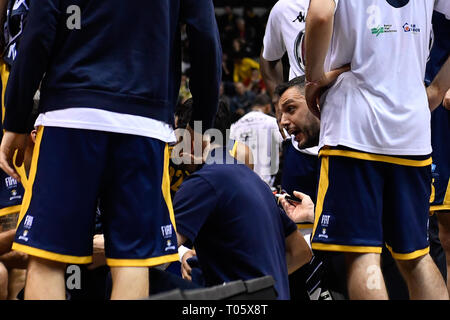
[
  {"x": 298, "y": 252},
  {"x": 29, "y": 67},
  {"x": 3, "y": 7},
  {"x": 205, "y": 52},
  {"x": 319, "y": 31},
  {"x": 272, "y": 73},
  {"x": 437, "y": 90},
  {"x": 6, "y": 240},
  {"x": 446, "y": 102},
  {"x": 181, "y": 239},
  {"x": 31, "y": 63}
]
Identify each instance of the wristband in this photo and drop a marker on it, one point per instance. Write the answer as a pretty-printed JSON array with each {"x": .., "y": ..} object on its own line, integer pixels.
[{"x": 181, "y": 251}]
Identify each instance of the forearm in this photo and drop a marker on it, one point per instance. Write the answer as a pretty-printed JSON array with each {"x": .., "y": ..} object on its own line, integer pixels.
[
  {"x": 439, "y": 87},
  {"x": 6, "y": 240},
  {"x": 272, "y": 73},
  {"x": 319, "y": 30},
  {"x": 298, "y": 252},
  {"x": 14, "y": 260},
  {"x": 181, "y": 239}
]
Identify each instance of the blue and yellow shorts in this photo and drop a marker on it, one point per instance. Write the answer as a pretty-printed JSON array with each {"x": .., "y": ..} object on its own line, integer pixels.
[
  {"x": 440, "y": 136},
  {"x": 71, "y": 171},
  {"x": 366, "y": 201}
]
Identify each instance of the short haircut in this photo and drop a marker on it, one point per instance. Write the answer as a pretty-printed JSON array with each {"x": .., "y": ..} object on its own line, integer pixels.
[
  {"x": 298, "y": 82},
  {"x": 262, "y": 100},
  {"x": 184, "y": 113},
  {"x": 222, "y": 120}
]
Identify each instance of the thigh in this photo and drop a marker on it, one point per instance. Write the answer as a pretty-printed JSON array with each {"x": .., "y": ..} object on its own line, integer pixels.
[
  {"x": 406, "y": 210},
  {"x": 348, "y": 214},
  {"x": 138, "y": 218},
  {"x": 58, "y": 211}
]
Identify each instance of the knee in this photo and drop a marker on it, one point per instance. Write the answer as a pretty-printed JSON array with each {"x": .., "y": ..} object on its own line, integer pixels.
[
  {"x": 444, "y": 230},
  {"x": 408, "y": 266}
]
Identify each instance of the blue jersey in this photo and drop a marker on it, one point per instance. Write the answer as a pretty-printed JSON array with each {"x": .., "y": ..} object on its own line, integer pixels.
[
  {"x": 300, "y": 171},
  {"x": 16, "y": 17},
  {"x": 89, "y": 53},
  {"x": 233, "y": 220}
]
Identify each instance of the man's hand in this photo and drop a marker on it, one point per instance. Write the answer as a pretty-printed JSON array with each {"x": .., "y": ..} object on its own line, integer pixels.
[
  {"x": 314, "y": 90},
  {"x": 12, "y": 143},
  {"x": 186, "y": 269},
  {"x": 98, "y": 256},
  {"x": 446, "y": 102},
  {"x": 199, "y": 149},
  {"x": 299, "y": 212}
]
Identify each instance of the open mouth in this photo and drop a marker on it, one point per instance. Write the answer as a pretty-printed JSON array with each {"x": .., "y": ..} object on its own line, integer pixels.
[{"x": 298, "y": 134}]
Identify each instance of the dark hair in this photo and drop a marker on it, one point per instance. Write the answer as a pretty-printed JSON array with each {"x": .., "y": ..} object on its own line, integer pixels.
[
  {"x": 262, "y": 99},
  {"x": 184, "y": 113},
  {"x": 222, "y": 121},
  {"x": 298, "y": 82}
]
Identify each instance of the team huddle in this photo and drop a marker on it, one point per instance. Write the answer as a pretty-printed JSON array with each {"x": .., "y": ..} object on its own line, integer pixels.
[{"x": 101, "y": 170}]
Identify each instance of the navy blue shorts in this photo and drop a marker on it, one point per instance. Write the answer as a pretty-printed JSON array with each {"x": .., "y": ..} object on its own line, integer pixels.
[
  {"x": 71, "y": 171},
  {"x": 11, "y": 194},
  {"x": 366, "y": 201},
  {"x": 440, "y": 136}
]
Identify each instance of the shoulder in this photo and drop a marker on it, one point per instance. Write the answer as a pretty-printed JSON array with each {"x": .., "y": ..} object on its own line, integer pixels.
[
  {"x": 283, "y": 6},
  {"x": 279, "y": 7}
]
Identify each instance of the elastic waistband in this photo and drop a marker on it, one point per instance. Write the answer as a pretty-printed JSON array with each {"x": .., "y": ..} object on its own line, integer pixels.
[{"x": 411, "y": 161}]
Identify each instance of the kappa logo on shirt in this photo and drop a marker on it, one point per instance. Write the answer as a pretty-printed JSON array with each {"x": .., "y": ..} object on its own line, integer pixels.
[{"x": 301, "y": 17}]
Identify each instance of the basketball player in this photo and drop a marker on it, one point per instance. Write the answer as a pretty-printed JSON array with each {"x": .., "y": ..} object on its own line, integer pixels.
[
  {"x": 106, "y": 105},
  {"x": 375, "y": 173}
]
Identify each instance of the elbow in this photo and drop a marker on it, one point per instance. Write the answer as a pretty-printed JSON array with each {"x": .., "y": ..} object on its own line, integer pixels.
[
  {"x": 298, "y": 258},
  {"x": 320, "y": 13},
  {"x": 319, "y": 19}
]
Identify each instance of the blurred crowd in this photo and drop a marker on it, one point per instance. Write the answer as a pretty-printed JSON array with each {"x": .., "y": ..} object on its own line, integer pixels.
[{"x": 242, "y": 32}]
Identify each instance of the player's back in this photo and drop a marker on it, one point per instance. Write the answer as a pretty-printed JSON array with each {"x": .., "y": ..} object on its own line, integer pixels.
[
  {"x": 118, "y": 46},
  {"x": 115, "y": 55},
  {"x": 382, "y": 101},
  {"x": 261, "y": 134},
  {"x": 245, "y": 237}
]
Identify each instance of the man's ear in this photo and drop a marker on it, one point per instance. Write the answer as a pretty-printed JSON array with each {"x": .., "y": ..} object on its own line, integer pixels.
[{"x": 33, "y": 136}]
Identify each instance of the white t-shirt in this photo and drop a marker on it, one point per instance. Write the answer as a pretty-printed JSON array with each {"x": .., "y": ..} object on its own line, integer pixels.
[
  {"x": 285, "y": 32},
  {"x": 261, "y": 134},
  {"x": 380, "y": 106},
  {"x": 96, "y": 119}
]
